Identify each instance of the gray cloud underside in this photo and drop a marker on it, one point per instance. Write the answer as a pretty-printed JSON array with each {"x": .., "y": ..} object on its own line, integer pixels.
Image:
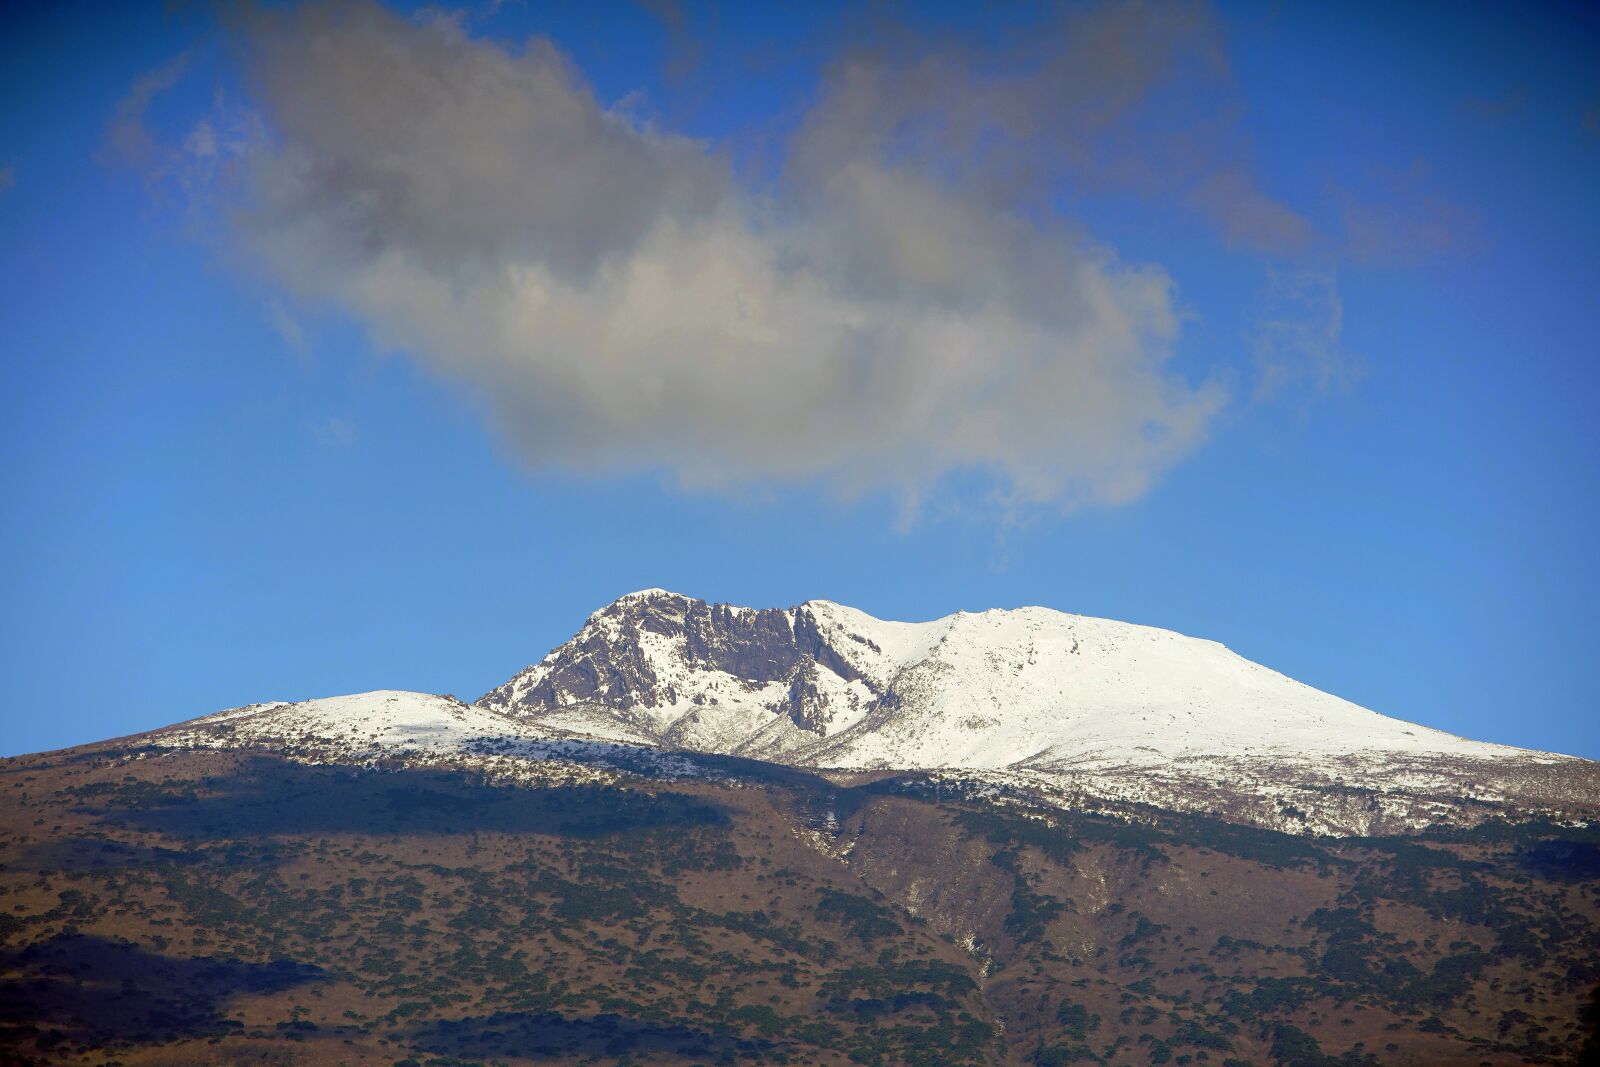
[{"x": 893, "y": 308}]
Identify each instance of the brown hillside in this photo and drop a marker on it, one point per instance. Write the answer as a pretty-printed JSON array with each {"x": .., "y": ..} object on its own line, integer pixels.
[{"x": 228, "y": 907}]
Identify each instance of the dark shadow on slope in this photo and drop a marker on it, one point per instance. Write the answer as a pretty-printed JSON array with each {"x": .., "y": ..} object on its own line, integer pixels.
[
  {"x": 763, "y": 771},
  {"x": 81, "y": 855},
  {"x": 1589, "y": 1053},
  {"x": 1144, "y": 831},
  {"x": 538, "y": 1035},
  {"x": 103, "y": 993},
  {"x": 1563, "y": 860},
  {"x": 269, "y": 795}
]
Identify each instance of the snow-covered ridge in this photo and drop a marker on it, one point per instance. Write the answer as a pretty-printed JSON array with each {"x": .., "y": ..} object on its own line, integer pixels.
[
  {"x": 388, "y": 726},
  {"x": 1066, "y": 708},
  {"x": 361, "y": 724},
  {"x": 826, "y": 685}
]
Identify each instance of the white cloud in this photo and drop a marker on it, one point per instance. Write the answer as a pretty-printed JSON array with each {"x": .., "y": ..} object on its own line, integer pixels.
[{"x": 889, "y": 312}]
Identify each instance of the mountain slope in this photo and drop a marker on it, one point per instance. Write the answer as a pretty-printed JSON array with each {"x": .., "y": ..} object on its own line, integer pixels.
[
  {"x": 825, "y": 685},
  {"x": 1032, "y": 698},
  {"x": 195, "y": 903},
  {"x": 1071, "y": 711},
  {"x": 1014, "y": 838},
  {"x": 397, "y": 729}
]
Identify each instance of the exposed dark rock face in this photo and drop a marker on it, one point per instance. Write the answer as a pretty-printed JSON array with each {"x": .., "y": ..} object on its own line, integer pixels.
[
  {"x": 808, "y": 705},
  {"x": 606, "y": 662}
]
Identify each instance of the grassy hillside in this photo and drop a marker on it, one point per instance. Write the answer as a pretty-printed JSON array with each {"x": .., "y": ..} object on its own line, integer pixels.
[{"x": 222, "y": 907}]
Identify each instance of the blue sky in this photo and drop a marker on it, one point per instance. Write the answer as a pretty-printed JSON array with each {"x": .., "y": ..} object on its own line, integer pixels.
[{"x": 279, "y": 427}]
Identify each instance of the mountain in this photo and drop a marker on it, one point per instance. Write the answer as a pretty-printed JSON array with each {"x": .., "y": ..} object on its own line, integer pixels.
[
  {"x": 1075, "y": 711},
  {"x": 426, "y": 891},
  {"x": 1035, "y": 699},
  {"x": 703, "y": 834},
  {"x": 826, "y": 685}
]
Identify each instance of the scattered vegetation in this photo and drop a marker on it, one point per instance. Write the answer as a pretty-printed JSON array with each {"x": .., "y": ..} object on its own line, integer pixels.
[{"x": 220, "y": 907}]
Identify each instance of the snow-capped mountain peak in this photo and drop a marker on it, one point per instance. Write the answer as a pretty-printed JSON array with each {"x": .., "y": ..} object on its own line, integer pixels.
[
  {"x": 829, "y": 685},
  {"x": 1066, "y": 707}
]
